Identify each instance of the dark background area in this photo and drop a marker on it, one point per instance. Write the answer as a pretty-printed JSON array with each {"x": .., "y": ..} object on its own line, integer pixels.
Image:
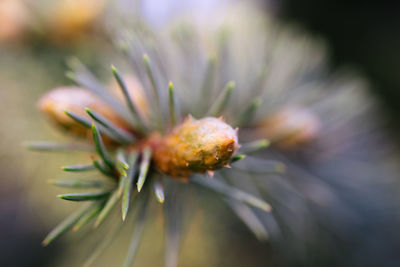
[{"x": 364, "y": 34}]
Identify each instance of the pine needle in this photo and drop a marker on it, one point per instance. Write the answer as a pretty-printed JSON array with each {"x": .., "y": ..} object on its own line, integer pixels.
[
  {"x": 95, "y": 195},
  {"x": 260, "y": 166},
  {"x": 232, "y": 192},
  {"x": 174, "y": 212},
  {"x": 81, "y": 75},
  {"x": 172, "y": 111},
  {"x": 102, "y": 168},
  {"x": 128, "y": 186},
  {"x": 79, "y": 119},
  {"x": 254, "y": 146},
  {"x": 150, "y": 75},
  {"x": 140, "y": 223},
  {"x": 110, "y": 204},
  {"x": 248, "y": 115},
  {"x": 120, "y": 134},
  {"x": 88, "y": 124},
  {"x": 222, "y": 100},
  {"x": 208, "y": 81},
  {"x": 100, "y": 148},
  {"x": 122, "y": 165},
  {"x": 249, "y": 218},
  {"x": 78, "y": 168},
  {"x": 105, "y": 242},
  {"x": 76, "y": 183},
  {"x": 158, "y": 187},
  {"x": 237, "y": 158},
  {"x": 66, "y": 225},
  {"x": 57, "y": 146},
  {"x": 128, "y": 99},
  {"x": 89, "y": 215},
  {"x": 144, "y": 167}
]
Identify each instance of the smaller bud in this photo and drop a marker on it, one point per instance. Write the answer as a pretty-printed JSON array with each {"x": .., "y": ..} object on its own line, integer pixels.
[
  {"x": 290, "y": 128},
  {"x": 71, "y": 19},
  {"x": 196, "y": 146},
  {"x": 75, "y": 100},
  {"x": 14, "y": 20}
]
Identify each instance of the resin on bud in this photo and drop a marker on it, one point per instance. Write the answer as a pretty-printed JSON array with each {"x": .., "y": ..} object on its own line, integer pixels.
[
  {"x": 195, "y": 146},
  {"x": 75, "y": 100},
  {"x": 290, "y": 128}
]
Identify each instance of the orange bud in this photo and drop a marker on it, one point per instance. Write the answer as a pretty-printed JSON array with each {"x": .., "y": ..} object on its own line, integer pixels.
[
  {"x": 290, "y": 127},
  {"x": 14, "y": 18},
  {"x": 196, "y": 146},
  {"x": 75, "y": 100},
  {"x": 73, "y": 18}
]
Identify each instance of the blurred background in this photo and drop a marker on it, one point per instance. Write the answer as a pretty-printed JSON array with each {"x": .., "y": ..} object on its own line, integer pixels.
[
  {"x": 36, "y": 38},
  {"x": 362, "y": 33}
]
